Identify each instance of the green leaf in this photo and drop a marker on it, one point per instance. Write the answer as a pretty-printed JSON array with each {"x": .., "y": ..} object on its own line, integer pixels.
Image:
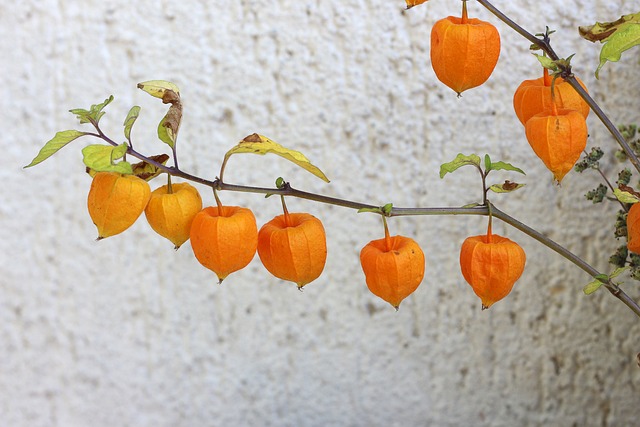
[
  {"x": 56, "y": 143},
  {"x": 625, "y": 196},
  {"x": 158, "y": 88},
  {"x": 602, "y": 278},
  {"x": 259, "y": 144},
  {"x": 619, "y": 42},
  {"x": 165, "y": 134},
  {"x": 617, "y": 36},
  {"x": 94, "y": 113},
  {"x": 458, "y": 162},
  {"x": 487, "y": 162},
  {"x": 170, "y": 124},
  {"x": 506, "y": 166},
  {"x": 591, "y": 287},
  {"x": 471, "y": 205},
  {"x": 506, "y": 187},
  {"x": 134, "y": 112},
  {"x": 101, "y": 157},
  {"x": 547, "y": 62},
  {"x": 618, "y": 271}
]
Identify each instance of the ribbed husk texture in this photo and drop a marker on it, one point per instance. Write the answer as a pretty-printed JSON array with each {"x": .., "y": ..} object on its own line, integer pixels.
[
  {"x": 171, "y": 214},
  {"x": 224, "y": 240},
  {"x": 463, "y": 56},
  {"x": 534, "y": 96},
  {"x": 558, "y": 139},
  {"x": 293, "y": 248},
  {"x": 393, "y": 268},
  {"x": 115, "y": 202},
  {"x": 491, "y": 265}
]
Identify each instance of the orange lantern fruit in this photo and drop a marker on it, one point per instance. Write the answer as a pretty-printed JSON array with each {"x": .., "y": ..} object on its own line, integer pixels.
[
  {"x": 115, "y": 201},
  {"x": 558, "y": 137},
  {"x": 534, "y": 96},
  {"x": 224, "y": 238},
  {"x": 393, "y": 267},
  {"x": 633, "y": 228},
  {"x": 293, "y": 247},
  {"x": 491, "y": 264},
  {"x": 171, "y": 210},
  {"x": 464, "y": 51}
]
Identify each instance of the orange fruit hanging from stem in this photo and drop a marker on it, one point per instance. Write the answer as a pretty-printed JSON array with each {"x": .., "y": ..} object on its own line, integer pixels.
[
  {"x": 491, "y": 265},
  {"x": 171, "y": 210},
  {"x": 393, "y": 266},
  {"x": 293, "y": 247},
  {"x": 558, "y": 137},
  {"x": 464, "y": 51},
  {"x": 535, "y": 96},
  {"x": 633, "y": 228},
  {"x": 115, "y": 201},
  {"x": 224, "y": 238}
]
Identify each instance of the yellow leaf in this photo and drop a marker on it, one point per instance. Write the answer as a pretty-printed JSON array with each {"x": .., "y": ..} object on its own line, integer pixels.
[
  {"x": 158, "y": 88},
  {"x": 258, "y": 144}
]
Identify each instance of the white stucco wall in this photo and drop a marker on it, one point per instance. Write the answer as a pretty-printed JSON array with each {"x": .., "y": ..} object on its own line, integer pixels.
[{"x": 127, "y": 332}]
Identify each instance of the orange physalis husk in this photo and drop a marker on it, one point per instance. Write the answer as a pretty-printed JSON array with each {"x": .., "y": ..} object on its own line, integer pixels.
[
  {"x": 170, "y": 214},
  {"x": 491, "y": 264},
  {"x": 534, "y": 96},
  {"x": 633, "y": 228},
  {"x": 393, "y": 267},
  {"x": 464, "y": 51},
  {"x": 558, "y": 137},
  {"x": 115, "y": 201},
  {"x": 293, "y": 247},
  {"x": 224, "y": 238}
]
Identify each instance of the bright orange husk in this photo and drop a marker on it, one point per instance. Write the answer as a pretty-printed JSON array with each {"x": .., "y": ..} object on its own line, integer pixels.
[
  {"x": 224, "y": 240},
  {"x": 293, "y": 247},
  {"x": 558, "y": 139},
  {"x": 491, "y": 264},
  {"x": 393, "y": 267},
  {"x": 534, "y": 96},
  {"x": 115, "y": 201},
  {"x": 464, "y": 51},
  {"x": 633, "y": 228},
  {"x": 171, "y": 214}
]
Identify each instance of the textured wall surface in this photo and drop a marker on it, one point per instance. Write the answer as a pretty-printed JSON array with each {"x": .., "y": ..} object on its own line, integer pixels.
[{"x": 128, "y": 332}]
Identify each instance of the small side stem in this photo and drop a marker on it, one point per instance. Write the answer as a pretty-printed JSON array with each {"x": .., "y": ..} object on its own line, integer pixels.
[
  {"x": 387, "y": 237},
  {"x": 465, "y": 17},
  {"x": 169, "y": 185},
  {"x": 287, "y": 217},
  {"x": 218, "y": 202}
]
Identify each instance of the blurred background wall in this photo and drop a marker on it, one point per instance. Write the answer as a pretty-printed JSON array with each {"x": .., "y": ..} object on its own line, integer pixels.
[{"x": 128, "y": 332}]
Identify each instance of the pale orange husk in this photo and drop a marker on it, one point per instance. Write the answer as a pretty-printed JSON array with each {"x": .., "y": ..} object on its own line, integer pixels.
[
  {"x": 171, "y": 214},
  {"x": 115, "y": 201}
]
